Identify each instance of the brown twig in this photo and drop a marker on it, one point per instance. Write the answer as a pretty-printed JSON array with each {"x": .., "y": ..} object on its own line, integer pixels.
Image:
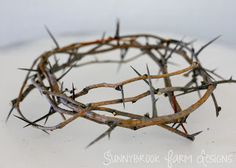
[{"x": 42, "y": 76}]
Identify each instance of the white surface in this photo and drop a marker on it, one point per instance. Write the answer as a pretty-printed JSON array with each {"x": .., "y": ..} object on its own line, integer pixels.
[
  {"x": 24, "y": 20},
  {"x": 27, "y": 148}
]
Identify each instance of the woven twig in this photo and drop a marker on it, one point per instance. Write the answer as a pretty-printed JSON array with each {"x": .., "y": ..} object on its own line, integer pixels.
[{"x": 42, "y": 76}]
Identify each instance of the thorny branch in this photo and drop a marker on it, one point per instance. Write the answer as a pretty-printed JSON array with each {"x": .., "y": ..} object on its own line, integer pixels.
[{"x": 42, "y": 76}]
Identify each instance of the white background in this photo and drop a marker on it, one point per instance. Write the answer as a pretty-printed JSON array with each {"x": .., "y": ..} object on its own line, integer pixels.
[
  {"x": 23, "y": 38},
  {"x": 24, "y": 20}
]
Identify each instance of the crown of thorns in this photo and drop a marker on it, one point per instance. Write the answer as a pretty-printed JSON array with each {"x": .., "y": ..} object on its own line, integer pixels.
[{"x": 63, "y": 101}]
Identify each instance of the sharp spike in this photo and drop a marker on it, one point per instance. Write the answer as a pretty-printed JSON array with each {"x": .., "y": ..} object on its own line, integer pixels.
[
  {"x": 24, "y": 120},
  {"x": 27, "y": 69},
  {"x": 9, "y": 114},
  {"x": 143, "y": 79},
  {"x": 192, "y": 136},
  {"x": 217, "y": 107},
  {"x": 123, "y": 96},
  {"x": 62, "y": 86},
  {"x": 51, "y": 111},
  {"x": 52, "y": 37},
  {"x": 41, "y": 118},
  {"x": 117, "y": 34},
  {"x": 174, "y": 49},
  {"x": 205, "y": 73},
  {"x": 73, "y": 91},
  {"x": 139, "y": 75},
  {"x": 123, "y": 53},
  {"x": 107, "y": 132},
  {"x": 173, "y": 125},
  {"x": 67, "y": 71},
  {"x": 154, "y": 109},
  {"x": 45, "y": 132},
  {"x": 156, "y": 100},
  {"x": 198, "y": 91},
  {"x": 207, "y": 44}
]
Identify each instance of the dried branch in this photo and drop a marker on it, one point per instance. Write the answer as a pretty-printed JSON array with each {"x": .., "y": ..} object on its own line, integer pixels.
[{"x": 66, "y": 102}]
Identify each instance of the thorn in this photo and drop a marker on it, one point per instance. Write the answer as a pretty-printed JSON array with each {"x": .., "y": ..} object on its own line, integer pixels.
[
  {"x": 174, "y": 49},
  {"x": 50, "y": 66},
  {"x": 118, "y": 88},
  {"x": 45, "y": 132},
  {"x": 63, "y": 116},
  {"x": 52, "y": 37},
  {"x": 123, "y": 96},
  {"x": 139, "y": 74},
  {"x": 206, "y": 73},
  {"x": 109, "y": 135},
  {"x": 73, "y": 91},
  {"x": 192, "y": 136},
  {"x": 213, "y": 70},
  {"x": 156, "y": 100},
  {"x": 51, "y": 111},
  {"x": 30, "y": 123},
  {"x": 9, "y": 114},
  {"x": 156, "y": 90},
  {"x": 178, "y": 126},
  {"x": 62, "y": 85},
  {"x": 24, "y": 120},
  {"x": 123, "y": 53},
  {"x": 41, "y": 118},
  {"x": 198, "y": 91},
  {"x": 176, "y": 111},
  {"x": 135, "y": 70},
  {"x": 191, "y": 42},
  {"x": 183, "y": 127},
  {"x": 58, "y": 79},
  {"x": 207, "y": 44},
  {"x": 154, "y": 109},
  {"x": 189, "y": 83},
  {"x": 173, "y": 125},
  {"x": 117, "y": 34},
  {"x": 26, "y": 69},
  {"x": 217, "y": 107},
  {"x": 107, "y": 132},
  {"x": 147, "y": 115}
]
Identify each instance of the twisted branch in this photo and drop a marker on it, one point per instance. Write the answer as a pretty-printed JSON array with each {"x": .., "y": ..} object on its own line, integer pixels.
[{"x": 42, "y": 76}]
